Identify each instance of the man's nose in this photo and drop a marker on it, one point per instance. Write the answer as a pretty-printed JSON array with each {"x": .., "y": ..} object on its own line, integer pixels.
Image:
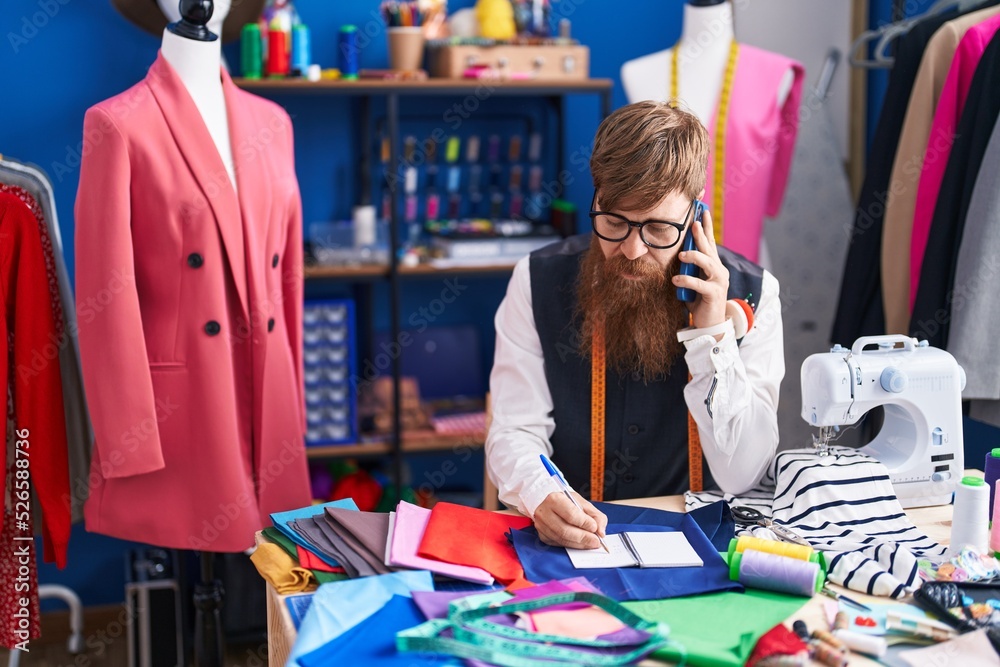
[{"x": 633, "y": 247}]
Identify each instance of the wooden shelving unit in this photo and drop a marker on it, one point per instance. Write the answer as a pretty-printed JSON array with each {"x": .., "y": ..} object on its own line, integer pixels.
[
  {"x": 370, "y": 272},
  {"x": 427, "y": 87},
  {"x": 412, "y": 442},
  {"x": 553, "y": 93}
]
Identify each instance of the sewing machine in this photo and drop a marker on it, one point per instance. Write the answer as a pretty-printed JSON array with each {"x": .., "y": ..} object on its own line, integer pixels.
[{"x": 920, "y": 388}]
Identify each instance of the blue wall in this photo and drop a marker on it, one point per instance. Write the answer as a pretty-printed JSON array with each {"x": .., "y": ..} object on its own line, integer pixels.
[{"x": 59, "y": 57}]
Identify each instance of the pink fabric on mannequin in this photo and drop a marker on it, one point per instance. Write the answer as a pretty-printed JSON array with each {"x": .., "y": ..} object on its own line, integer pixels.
[
  {"x": 759, "y": 145},
  {"x": 946, "y": 115}
]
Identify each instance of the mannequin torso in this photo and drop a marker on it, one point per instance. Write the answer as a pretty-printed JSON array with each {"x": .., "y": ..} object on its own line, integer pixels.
[
  {"x": 198, "y": 64},
  {"x": 701, "y": 63}
]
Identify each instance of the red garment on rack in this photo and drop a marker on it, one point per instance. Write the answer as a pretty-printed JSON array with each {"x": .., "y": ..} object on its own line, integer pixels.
[
  {"x": 29, "y": 368},
  {"x": 477, "y": 538}
]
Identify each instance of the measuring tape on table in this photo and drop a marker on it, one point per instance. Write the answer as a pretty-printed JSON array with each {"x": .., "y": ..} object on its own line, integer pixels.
[{"x": 480, "y": 639}]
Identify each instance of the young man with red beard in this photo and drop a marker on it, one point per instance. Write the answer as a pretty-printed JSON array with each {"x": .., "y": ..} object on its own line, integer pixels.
[{"x": 616, "y": 289}]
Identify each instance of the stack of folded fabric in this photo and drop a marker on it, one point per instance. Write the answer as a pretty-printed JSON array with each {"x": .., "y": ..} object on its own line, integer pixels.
[{"x": 458, "y": 585}]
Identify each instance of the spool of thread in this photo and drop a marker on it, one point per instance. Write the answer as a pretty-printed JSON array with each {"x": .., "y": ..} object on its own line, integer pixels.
[
  {"x": 800, "y": 628},
  {"x": 364, "y": 226},
  {"x": 867, "y": 644},
  {"x": 788, "y": 549},
  {"x": 995, "y": 529},
  {"x": 991, "y": 474},
  {"x": 971, "y": 517},
  {"x": 277, "y": 52},
  {"x": 301, "y": 49},
  {"x": 827, "y": 655},
  {"x": 841, "y": 621},
  {"x": 251, "y": 59},
  {"x": 827, "y": 638},
  {"x": 348, "y": 45},
  {"x": 770, "y": 572}
]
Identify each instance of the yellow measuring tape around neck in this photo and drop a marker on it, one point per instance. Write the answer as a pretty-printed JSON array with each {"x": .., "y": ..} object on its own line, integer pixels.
[
  {"x": 722, "y": 118},
  {"x": 598, "y": 401}
]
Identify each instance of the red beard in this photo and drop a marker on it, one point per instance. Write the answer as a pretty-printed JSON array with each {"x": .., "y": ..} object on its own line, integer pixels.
[{"x": 640, "y": 316}]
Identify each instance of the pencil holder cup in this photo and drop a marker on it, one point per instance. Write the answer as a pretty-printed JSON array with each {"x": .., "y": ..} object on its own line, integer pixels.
[{"x": 406, "y": 48}]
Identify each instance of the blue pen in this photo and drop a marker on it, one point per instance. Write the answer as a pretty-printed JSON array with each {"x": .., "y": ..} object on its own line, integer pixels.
[{"x": 561, "y": 481}]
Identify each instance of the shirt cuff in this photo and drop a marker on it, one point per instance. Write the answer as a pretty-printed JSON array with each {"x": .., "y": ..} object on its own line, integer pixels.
[
  {"x": 706, "y": 355},
  {"x": 534, "y": 493}
]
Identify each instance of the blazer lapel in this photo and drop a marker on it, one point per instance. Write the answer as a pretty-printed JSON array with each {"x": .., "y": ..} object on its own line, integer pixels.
[
  {"x": 251, "y": 134},
  {"x": 203, "y": 159}
]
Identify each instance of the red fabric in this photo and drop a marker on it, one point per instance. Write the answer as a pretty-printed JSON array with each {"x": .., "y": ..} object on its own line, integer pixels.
[
  {"x": 361, "y": 487},
  {"x": 30, "y": 373},
  {"x": 311, "y": 561},
  {"x": 779, "y": 640},
  {"x": 189, "y": 303},
  {"x": 477, "y": 538}
]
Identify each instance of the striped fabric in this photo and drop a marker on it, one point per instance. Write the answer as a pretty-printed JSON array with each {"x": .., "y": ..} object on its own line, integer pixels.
[{"x": 844, "y": 505}]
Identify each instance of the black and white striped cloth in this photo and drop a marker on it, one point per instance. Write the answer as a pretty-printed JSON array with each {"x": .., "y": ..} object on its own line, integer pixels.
[{"x": 844, "y": 505}]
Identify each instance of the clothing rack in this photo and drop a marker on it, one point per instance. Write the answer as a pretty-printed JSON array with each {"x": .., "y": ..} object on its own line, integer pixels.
[
  {"x": 36, "y": 182},
  {"x": 900, "y": 25}
]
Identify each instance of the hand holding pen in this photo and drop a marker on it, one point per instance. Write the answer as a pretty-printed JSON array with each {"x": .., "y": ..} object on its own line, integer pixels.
[{"x": 565, "y": 519}]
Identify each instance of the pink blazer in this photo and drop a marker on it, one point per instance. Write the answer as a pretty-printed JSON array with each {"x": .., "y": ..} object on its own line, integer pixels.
[
  {"x": 189, "y": 303},
  {"x": 946, "y": 114}
]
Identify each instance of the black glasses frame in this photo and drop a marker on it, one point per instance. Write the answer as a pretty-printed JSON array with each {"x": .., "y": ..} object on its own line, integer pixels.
[{"x": 679, "y": 226}]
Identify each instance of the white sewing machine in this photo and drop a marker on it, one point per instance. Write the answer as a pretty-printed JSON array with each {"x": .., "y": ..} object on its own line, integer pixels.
[{"x": 920, "y": 388}]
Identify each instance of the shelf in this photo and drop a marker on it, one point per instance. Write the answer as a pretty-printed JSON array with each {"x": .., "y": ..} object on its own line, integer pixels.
[
  {"x": 380, "y": 271},
  {"x": 422, "y": 441},
  {"x": 347, "y": 272},
  {"x": 428, "y": 87}
]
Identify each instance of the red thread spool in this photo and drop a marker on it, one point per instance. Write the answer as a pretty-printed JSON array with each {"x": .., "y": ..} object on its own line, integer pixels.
[{"x": 277, "y": 53}]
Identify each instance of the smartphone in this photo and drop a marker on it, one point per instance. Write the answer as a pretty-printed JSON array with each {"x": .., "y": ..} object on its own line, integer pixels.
[{"x": 686, "y": 294}]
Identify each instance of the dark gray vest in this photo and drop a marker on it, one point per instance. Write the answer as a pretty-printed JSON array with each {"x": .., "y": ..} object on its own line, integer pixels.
[{"x": 646, "y": 424}]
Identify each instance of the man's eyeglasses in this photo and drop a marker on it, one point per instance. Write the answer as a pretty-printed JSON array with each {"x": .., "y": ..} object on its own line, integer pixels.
[{"x": 658, "y": 234}]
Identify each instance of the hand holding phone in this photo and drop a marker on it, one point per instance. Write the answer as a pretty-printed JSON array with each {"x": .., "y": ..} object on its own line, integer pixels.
[{"x": 686, "y": 294}]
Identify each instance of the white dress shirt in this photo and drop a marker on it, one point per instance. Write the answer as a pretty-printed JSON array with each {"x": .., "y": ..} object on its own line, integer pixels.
[{"x": 739, "y": 436}]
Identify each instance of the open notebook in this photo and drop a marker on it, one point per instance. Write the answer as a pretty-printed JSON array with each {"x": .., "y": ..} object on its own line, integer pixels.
[{"x": 661, "y": 549}]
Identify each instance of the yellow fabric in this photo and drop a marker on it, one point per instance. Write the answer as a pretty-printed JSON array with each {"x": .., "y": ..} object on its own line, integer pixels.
[{"x": 281, "y": 570}]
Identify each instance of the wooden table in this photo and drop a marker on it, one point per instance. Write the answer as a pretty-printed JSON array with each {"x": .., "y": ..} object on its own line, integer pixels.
[{"x": 935, "y": 522}]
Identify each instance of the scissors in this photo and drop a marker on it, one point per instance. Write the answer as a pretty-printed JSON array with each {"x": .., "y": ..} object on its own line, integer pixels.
[{"x": 747, "y": 516}]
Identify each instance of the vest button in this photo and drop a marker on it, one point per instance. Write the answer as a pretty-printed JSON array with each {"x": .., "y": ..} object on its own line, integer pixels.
[
  {"x": 636, "y": 376},
  {"x": 274, "y": 261},
  {"x": 212, "y": 328},
  {"x": 628, "y": 478},
  {"x": 633, "y": 429},
  {"x": 195, "y": 260},
  {"x": 270, "y": 324}
]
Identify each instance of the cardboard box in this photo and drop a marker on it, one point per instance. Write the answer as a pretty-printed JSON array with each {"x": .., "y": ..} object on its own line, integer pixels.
[{"x": 546, "y": 62}]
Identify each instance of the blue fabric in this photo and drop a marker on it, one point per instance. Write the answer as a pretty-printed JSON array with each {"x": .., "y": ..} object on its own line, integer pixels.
[
  {"x": 338, "y": 606},
  {"x": 542, "y": 562},
  {"x": 281, "y": 519},
  {"x": 373, "y": 641},
  {"x": 715, "y": 520}
]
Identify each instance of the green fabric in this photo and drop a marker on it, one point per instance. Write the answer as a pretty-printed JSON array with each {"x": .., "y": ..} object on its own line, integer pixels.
[
  {"x": 720, "y": 629},
  {"x": 274, "y": 535}
]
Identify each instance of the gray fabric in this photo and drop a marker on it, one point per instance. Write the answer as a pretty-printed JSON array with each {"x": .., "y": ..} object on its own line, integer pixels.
[
  {"x": 376, "y": 562},
  {"x": 309, "y": 531},
  {"x": 975, "y": 317},
  {"x": 79, "y": 435}
]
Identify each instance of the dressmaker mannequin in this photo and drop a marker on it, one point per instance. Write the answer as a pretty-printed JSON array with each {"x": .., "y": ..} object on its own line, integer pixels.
[
  {"x": 192, "y": 47},
  {"x": 705, "y": 40},
  {"x": 194, "y": 50}
]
